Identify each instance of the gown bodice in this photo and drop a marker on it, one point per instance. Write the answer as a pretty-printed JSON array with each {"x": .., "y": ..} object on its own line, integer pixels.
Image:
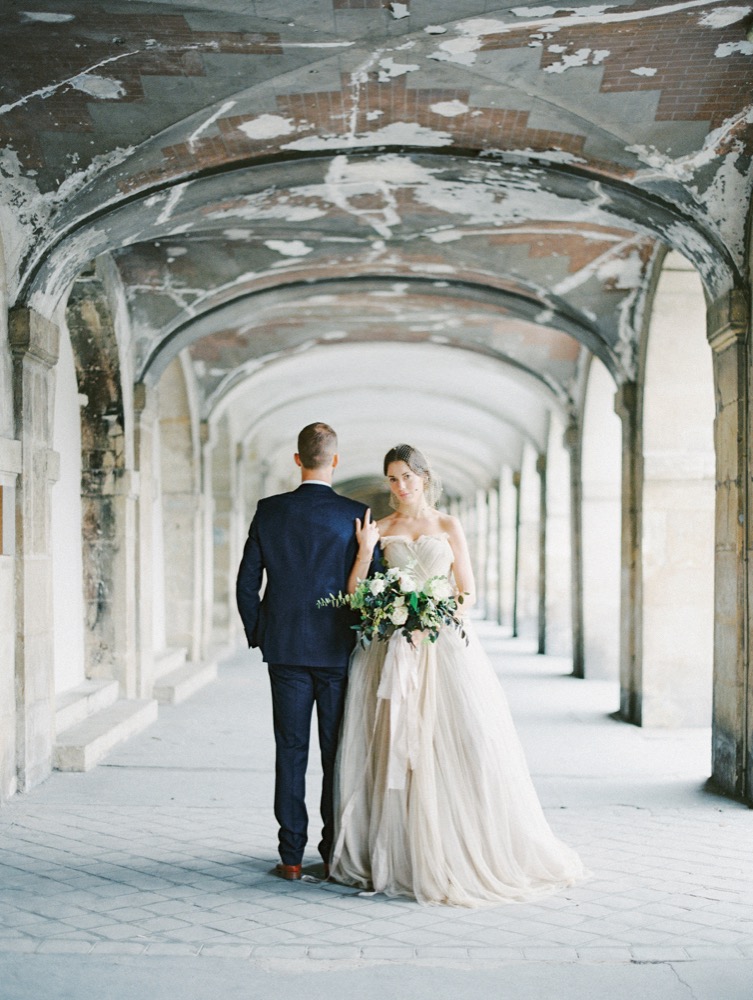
[{"x": 423, "y": 557}]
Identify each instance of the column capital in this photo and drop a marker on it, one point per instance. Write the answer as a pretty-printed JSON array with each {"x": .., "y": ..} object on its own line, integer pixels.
[
  {"x": 571, "y": 437},
  {"x": 143, "y": 397},
  {"x": 31, "y": 334},
  {"x": 541, "y": 463},
  {"x": 626, "y": 400},
  {"x": 727, "y": 320}
]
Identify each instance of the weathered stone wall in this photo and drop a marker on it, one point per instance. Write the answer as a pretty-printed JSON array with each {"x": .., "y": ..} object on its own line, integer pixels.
[
  {"x": 108, "y": 484},
  {"x": 34, "y": 346},
  {"x": 10, "y": 465},
  {"x": 729, "y": 332}
]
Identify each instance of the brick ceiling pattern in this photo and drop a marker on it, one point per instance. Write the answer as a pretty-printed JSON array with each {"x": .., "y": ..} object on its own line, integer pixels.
[{"x": 512, "y": 118}]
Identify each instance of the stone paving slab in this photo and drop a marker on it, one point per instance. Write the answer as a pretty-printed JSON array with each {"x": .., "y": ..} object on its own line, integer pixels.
[{"x": 165, "y": 852}]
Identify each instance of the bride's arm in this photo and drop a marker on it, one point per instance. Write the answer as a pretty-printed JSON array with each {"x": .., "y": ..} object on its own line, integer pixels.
[
  {"x": 461, "y": 566},
  {"x": 367, "y": 535}
]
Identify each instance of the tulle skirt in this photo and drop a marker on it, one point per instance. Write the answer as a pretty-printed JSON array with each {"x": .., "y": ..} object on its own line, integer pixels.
[{"x": 433, "y": 796}]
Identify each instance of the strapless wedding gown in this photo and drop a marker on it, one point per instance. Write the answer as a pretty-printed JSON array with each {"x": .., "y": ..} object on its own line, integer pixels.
[{"x": 433, "y": 796}]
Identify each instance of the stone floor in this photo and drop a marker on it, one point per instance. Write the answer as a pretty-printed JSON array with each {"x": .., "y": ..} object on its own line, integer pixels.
[{"x": 150, "y": 876}]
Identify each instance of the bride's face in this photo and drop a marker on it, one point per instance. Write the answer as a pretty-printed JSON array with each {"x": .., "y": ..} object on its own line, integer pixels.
[{"x": 406, "y": 486}]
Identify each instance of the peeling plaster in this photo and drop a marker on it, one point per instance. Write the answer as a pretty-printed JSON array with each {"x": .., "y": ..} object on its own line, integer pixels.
[
  {"x": 171, "y": 202},
  {"x": 725, "y": 192},
  {"x": 52, "y": 88},
  {"x": 399, "y": 10},
  {"x": 729, "y": 48},
  {"x": 25, "y": 213},
  {"x": 721, "y": 17},
  {"x": 289, "y": 248},
  {"x": 463, "y": 49},
  {"x": 449, "y": 109},
  {"x": 193, "y": 137},
  {"x": 267, "y": 127},
  {"x": 581, "y": 57},
  {"x": 45, "y": 18},
  {"x": 643, "y": 71},
  {"x": 389, "y": 69},
  {"x": 101, "y": 87},
  {"x": 395, "y": 134}
]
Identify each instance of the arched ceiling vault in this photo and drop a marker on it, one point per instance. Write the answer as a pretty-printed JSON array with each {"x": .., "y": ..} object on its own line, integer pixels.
[
  {"x": 273, "y": 178},
  {"x": 463, "y": 410}
]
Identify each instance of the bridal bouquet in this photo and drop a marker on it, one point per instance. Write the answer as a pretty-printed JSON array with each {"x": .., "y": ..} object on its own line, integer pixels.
[{"x": 392, "y": 601}]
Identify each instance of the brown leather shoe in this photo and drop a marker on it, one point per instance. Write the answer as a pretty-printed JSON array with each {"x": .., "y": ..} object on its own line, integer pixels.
[{"x": 288, "y": 871}]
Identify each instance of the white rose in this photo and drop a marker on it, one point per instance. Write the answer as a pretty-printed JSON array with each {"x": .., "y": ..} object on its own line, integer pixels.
[
  {"x": 407, "y": 582},
  {"x": 438, "y": 588},
  {"x": 399, "y": 616},
  {"x": 377, "y": 586}
]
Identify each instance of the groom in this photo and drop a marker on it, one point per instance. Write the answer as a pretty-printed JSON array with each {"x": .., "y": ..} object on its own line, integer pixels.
[{"x": 305, "y": 541}]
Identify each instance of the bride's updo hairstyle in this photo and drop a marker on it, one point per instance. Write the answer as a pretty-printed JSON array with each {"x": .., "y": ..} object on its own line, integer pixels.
[{"x": 418, "y": 464}]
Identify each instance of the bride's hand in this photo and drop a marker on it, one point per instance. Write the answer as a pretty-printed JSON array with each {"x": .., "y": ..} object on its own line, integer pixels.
[{"x": 367, "y": 534}]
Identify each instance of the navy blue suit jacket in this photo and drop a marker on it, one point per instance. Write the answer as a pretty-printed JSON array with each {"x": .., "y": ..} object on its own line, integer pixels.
[{"x": 306, "y": 542}]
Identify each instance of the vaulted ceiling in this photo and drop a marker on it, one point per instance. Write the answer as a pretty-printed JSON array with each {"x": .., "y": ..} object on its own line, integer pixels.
[{"x": 272, "y": 179}]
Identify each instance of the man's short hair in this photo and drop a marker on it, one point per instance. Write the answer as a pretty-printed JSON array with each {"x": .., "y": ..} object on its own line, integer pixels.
[{"x": 317, "y": 445}]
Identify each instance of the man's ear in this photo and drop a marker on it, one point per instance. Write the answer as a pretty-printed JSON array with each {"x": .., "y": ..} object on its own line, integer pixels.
[
  {"x": 335, "y": 460},
  {"x": 297, "y": 459}
]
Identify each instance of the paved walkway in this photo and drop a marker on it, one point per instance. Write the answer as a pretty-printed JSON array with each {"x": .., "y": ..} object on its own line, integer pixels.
[{"x": 150, "y": 876}]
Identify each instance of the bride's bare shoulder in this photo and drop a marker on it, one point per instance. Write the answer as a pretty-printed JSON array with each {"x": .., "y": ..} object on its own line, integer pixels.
[
  {"x": 450, "y": 524},
  {"x": 386, "y": 525}
]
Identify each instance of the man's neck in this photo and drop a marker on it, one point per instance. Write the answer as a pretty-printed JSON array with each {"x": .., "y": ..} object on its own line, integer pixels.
[{"x": 317, "y": 476}]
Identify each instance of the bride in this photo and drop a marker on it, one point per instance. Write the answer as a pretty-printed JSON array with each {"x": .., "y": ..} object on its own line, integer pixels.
[{"x": 433, "y": 798}]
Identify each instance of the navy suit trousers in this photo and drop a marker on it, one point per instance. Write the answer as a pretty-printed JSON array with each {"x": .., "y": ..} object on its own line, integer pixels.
[{"x": 295, "y": 691}]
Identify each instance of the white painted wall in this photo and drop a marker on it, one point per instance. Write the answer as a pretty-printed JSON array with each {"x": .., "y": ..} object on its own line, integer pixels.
[
  {"x": 601, "y": 476},
  {"x": 67, "y": 562}
]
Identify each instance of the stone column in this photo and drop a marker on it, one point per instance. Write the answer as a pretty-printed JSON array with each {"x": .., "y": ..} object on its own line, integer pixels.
[
  {"x": 482, "y": 553},
  {"x": 109, "y": 489},
  {"x": 145, "y": 419},
  {"x": 207, "y": 443},
  {"x": 493, "y": 554},
  {"x": 11, "y": 465},
  {"x": 559, "y": 610},
  {"x": 572, "y": 442},
  {"x": 631, "y": 600},
  {"x": 530, "y": 591},
  {"x": 508, "y": 542},
  {"x": 34, "y": 343},
  {"x": 516, "y": 523},
  {"x": 541, "y": 469},
  {"x": 732, "y": 739},
  {"x": 183, "y": 523},
  {"x": 238, "y": 533},
  {"x": 223, "y": 473}
]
